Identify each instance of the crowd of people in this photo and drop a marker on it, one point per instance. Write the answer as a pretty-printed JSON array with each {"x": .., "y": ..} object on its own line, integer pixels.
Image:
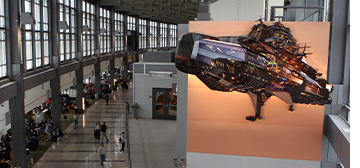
[
  {"x": 6, "y": 147},
  {"x": 34, "y": 130}
]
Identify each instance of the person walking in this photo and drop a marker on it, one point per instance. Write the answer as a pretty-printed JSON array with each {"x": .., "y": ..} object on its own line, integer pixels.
[
  {"x": 122, "y": 141},
  {"x": 107, "y": 99},
  {"x": 49, "y": 132},
  {"x": 97, "y": 130},
  {"x": 76, "y": 122},
  {"x": 101, "y": 150},
  {"x": 103, "y": 132}
]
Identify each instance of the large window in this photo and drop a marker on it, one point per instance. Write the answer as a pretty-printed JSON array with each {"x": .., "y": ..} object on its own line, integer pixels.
[
  {"x": 67, "y": 36},
  {"x": 173, "y": 35},
  {"x": 153, "y": 34},
  {"x": 104, "y": 31},
  {"x": 3, "y": 71},
  {"x": 163, "y": 35},
  {"x": 131, "y": 23},
  {"x": 88, "y": 36},
  {"x": 142, "y": 33},
  {"x": 35, "y": 49},
  {"x": 119, "y": 32}
]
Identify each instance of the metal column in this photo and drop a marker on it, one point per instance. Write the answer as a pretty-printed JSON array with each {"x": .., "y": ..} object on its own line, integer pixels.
[
  {"x": 112, "y": 48},
  {"x": 158, "y": 35},
  {"x": 168, "y": 36},
  {"x": 79, "y": 73},
  {"x": 125, "y": 58},
  {"x": 136, "y": 59},
  {"x": 147, "y": 33},
  {"x": 55, "y": 63},
  {"x": 339, "y": 76},
  {"x": 16, "y": 74},
  {"x": 97, "y": 49}
]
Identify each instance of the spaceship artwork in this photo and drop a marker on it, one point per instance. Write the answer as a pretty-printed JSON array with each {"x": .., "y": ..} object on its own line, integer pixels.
[{"x": 268, "y": 61}]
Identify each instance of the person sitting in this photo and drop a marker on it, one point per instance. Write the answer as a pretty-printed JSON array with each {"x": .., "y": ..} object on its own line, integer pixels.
[{"x": 79, "y": 110}]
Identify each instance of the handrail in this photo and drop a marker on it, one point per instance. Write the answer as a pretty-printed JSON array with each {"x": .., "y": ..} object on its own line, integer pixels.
[
  {"x": 127, "y": 146},
  {"x": 272, "y": 13},
  {"x": 317, "y": 11}
]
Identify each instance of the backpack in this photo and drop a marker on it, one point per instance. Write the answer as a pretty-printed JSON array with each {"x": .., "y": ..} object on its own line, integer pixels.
[
  {"x": 102, "y": 128},
  {"x": 121, "y": 140}
]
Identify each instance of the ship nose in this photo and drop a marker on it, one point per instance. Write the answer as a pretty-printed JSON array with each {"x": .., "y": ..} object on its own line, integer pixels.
[{"x": 184, "y": 49}]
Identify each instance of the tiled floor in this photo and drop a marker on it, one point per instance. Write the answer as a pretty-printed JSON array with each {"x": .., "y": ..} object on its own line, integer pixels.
[{"x": 78, "y": 147}]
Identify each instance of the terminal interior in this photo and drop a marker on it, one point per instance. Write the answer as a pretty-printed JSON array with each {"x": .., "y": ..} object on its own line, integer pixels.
[{"x": 60, "y": 59}]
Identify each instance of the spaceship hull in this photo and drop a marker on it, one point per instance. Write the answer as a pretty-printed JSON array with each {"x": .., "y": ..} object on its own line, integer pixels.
[{"x": 227, "y": 66}]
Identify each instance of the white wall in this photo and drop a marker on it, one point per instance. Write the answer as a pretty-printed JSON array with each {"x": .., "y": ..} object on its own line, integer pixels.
[
  {"x": 67, "y": 80},
  {"x": 119, "y": 62},
  {"x": 105, "y": 65},
  {"x": 3, "y": 110},
  {"x": 237, "y": 10},
  {"x": 143, "y": 86},
  {"x": 88, "y": 71},
  {"x": 278, "y": 12},
  {"x": 36, "y": 96}
]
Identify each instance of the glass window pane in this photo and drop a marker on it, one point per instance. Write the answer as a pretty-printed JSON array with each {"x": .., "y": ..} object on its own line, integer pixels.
[{"x": 29, "y": 64}]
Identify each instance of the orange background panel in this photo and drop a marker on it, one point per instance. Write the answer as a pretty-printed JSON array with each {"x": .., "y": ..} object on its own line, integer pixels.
[{"x": 216, "y": 120}]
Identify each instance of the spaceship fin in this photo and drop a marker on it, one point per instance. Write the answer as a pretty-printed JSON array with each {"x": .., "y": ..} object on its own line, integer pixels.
[
  {"x": 254, "y": 98},
  {"x": 284, "y": 96}
]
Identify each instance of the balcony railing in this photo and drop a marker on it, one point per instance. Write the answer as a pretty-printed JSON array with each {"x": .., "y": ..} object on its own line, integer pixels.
[{"x": 297, "y": 13}]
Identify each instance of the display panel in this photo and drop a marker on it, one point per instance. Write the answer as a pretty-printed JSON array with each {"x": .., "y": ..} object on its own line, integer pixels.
[{"x": 267, "y": 61}]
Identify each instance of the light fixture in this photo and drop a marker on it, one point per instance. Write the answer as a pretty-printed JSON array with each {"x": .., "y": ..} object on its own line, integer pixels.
[
  {"x": 85, "y": 28},
  {"x": 27, "y": 18},
  {"x": 102, "y": 31},
  {"x": 63, "y": 25}
]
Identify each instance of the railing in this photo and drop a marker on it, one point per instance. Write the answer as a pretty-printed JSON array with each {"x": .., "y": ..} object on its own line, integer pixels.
[
  {"x": 297, "y": 13},
  {"x": 127, "y": 140},
  {"x": 127, "y": 146},
  {"x": 179, "y": 162}
]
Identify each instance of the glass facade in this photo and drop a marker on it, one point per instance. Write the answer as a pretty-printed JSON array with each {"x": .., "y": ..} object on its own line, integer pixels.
[
  {"x": 88, "y": 35},
  {"x": 119, "y": 32},
  {"x": 35, "y": 49},
  {"x": 3, "y": 70},
  {"x": 35, "y": 41},
  {"x": 153, "y": 34},
  {"x": 142, "y": 33},
  {"x": 163, "y": 35},
  {"x": 67, "y": 36},
  {"x": 105, "y": 45}
]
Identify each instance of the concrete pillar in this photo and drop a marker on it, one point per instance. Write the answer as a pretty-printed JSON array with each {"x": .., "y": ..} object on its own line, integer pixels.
[
  {"x": 97, "y": 48},
  {"x": 125, "y": 58},
  {"x": 158, "y": 35},
  {"x": 16, "y": 104},
  {"x": 79, "y": 73},
  {"x": 168, "y": 36},
  {"x": 55, "y": 63},
  {"x": 338, "y": 75},
  {"x": 136, "y": 59},
  {"x": 112, "y": 42}
]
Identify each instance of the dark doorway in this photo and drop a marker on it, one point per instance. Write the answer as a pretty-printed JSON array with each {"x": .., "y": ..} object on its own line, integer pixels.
[{"x": 164, "y": 104}]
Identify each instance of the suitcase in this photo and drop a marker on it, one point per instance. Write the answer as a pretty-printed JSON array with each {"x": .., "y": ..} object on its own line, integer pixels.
[{"x": 97, "y": 134}]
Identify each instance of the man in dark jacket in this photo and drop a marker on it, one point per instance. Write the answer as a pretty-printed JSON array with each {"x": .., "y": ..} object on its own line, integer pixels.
[{"x": 107, "y": 99}]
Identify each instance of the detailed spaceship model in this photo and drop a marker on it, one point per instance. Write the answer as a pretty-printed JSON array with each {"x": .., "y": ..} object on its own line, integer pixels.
[{"x": 266, "y": 62}]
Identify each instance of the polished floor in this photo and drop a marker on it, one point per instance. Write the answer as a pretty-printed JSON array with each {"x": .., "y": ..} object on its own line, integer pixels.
[{"x": 78, "y": 147}]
